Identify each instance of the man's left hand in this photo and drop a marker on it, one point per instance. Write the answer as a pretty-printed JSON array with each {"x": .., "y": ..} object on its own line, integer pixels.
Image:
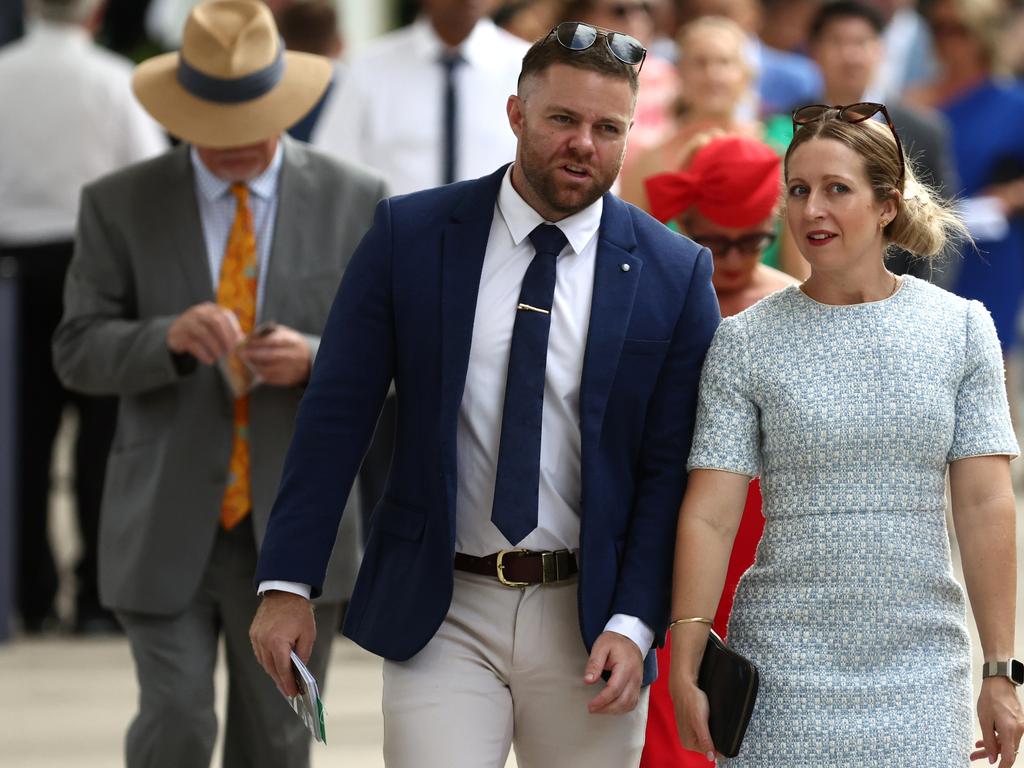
[
  {"x": 620, "y": 656},
  {"x": 282, "y": 358}
]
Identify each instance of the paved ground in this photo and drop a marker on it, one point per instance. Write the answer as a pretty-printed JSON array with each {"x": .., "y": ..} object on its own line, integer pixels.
[{"x": 66, "y": 702}]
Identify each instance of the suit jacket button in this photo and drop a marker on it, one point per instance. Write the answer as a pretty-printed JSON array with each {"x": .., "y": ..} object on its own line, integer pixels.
[{"x": 625, "y": 267}]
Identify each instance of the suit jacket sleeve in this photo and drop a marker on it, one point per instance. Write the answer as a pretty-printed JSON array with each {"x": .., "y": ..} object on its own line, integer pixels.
[
  {"x": 100, "y": 346},
  {"x": 350, "y": 380},
  {"x": 645, "y": 577}
]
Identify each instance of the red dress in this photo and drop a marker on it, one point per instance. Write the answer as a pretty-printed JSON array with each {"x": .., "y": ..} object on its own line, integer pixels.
[{"x": 662, "y": 748}]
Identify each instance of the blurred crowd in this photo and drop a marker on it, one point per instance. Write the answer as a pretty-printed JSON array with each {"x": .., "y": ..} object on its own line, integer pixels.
[{"x": 949, "y": 72}]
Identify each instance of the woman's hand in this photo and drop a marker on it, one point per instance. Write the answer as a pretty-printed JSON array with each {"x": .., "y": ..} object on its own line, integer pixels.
[
  {"x": 691, "y": 707},
  {"x": 1002, "y": 722}
]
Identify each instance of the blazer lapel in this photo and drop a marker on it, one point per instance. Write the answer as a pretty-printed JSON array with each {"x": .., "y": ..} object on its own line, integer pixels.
[
  {"x": 293, "y": 188},
  {"x": 616, "y": 276},
  {"x": 464, "y": 245},
  {"x": 180, "y": 217}
]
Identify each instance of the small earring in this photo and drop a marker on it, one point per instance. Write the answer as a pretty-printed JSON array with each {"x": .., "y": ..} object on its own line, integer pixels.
[{"x": 883, "y": 223}]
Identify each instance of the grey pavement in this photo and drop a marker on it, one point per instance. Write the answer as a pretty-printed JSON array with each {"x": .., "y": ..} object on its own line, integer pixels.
[{"x": 65, "y": 702}]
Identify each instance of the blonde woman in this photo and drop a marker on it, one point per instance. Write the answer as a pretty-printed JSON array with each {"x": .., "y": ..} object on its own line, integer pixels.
[{"x": 852, "y": 396}]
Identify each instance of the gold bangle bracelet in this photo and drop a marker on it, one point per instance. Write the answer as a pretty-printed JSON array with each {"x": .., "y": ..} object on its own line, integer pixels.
[{"x": 694, "y": 620}]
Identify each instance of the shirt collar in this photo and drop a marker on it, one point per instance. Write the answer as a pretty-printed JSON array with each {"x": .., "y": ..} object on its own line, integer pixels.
[
  {"x": 475, "y": 49},
  {"x": 49, "y": 32},
  {"x": 579, "y": 229},
  {"x": 212, "y": 187}
]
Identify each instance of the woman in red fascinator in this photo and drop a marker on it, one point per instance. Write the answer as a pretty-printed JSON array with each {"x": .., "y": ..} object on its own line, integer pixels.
[{"x": 726, "y": 199}]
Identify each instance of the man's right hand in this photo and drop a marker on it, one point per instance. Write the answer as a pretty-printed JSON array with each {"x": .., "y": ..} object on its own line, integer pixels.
[
  {"x": 283, "y": 621},
  {"x": 206, "y": 331}
]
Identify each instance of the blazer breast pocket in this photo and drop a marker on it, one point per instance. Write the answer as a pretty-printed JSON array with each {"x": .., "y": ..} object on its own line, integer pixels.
[{"x": 645, "y": 347}]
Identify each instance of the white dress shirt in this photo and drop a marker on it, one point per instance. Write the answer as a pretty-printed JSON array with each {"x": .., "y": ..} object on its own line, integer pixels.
[
  {"x": 217, "y": 207},
  {"x": 69, "y": 117},
  {"x": 509, "y": 253},
  {"x": 388, "y": 113}
]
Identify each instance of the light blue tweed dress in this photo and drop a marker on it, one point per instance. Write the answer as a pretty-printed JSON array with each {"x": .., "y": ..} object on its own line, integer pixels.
[{"x": 850, "y": 415}]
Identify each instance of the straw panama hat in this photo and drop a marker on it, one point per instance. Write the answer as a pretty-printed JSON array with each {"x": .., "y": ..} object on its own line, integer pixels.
[{"x": 232, "y": 83}]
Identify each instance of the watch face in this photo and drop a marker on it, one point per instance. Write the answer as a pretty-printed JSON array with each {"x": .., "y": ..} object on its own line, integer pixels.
[{"x": 1016, "y": 671}]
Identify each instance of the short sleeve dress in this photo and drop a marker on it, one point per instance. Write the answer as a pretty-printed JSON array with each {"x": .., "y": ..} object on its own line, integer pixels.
[{"x": 850, "y": 415}]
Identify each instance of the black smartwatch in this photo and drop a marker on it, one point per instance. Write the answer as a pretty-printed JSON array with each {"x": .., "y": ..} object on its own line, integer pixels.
[{"x": 1011, "y": 669}]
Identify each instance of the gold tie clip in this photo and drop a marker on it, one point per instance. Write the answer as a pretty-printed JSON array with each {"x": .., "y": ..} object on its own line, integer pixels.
[{"x": 529, "y": 308}]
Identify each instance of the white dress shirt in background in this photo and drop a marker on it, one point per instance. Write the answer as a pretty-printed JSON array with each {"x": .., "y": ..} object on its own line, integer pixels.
[
  {"x": 909, "y": 56},
  {"x": 388, "y": 114},
  {"x": 509, "y": 253},
  {"x": 69, "y": 117}
]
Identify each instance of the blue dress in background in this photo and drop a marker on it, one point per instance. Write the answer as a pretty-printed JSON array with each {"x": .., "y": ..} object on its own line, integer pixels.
[{"x": 987, "y": 128}]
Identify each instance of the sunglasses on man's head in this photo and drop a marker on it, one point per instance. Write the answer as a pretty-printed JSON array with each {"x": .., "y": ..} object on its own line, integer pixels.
[
  {"x": 753, "y": 244},
  {"x": 850, "y": 113},
  {"x": 577, "y": 36}
]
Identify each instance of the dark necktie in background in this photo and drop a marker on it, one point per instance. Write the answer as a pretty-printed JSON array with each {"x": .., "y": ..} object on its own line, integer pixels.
[
  {"x": 450, "y": 60},
  {"x": 517, "y": 483}
]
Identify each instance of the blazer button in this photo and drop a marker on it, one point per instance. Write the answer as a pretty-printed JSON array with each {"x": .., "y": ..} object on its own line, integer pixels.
[{"x": 625, "y": 267}]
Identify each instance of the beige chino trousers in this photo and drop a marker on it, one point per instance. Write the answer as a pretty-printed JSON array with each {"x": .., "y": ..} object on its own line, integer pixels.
[{"x": 504, "y": 669}]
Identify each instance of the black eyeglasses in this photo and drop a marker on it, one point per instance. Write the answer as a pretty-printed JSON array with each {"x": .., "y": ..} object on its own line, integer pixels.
[
  {"x": 577, "y": 36},
  {"x": 851, "y": 113},
  {"x": 753, "y": 244}
]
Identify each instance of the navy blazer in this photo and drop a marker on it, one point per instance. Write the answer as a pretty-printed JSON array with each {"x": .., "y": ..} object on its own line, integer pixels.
[{"x": 404, "y": 313}]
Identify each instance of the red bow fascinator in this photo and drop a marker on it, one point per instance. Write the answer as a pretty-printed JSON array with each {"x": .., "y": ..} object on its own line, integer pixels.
[{"x": 733, "y": 180}]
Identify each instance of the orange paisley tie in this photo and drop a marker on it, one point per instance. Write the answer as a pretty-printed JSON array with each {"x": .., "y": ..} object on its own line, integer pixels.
[{"x": 237, "y": 292}]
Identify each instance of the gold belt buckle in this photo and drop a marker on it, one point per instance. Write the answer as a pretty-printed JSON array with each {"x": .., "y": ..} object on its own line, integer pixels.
[{"x": 501, "y": 568}]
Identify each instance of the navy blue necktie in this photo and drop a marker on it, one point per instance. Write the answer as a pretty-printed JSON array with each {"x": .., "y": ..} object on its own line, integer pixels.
[
  {"x": 517, "y": 483},
  {"x": 449, "y": 60}
]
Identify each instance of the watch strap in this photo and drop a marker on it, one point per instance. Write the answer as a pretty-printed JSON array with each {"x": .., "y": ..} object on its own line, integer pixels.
[
  {"x": 1003, "y": 669},
  {"x": 995, "y": 669}
]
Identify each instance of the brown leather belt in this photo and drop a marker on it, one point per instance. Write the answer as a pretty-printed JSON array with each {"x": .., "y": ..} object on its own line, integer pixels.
[{"x": 521, "y": 567}]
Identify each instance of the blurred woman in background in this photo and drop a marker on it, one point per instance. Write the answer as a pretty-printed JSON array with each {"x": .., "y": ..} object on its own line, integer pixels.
[{"x": 715, "y": 82}]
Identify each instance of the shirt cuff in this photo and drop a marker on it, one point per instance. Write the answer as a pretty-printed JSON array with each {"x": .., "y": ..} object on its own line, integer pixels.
[
  {"x": 631, "y": 627},
  {"x": 302, "y": 590}
]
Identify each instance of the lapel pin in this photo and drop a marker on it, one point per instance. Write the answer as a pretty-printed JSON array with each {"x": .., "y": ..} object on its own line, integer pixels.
[{"x": 624, "y": 267}]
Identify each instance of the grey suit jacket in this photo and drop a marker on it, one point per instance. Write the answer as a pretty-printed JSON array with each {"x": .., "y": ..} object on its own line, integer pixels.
[{"x": 140, "y": 261}]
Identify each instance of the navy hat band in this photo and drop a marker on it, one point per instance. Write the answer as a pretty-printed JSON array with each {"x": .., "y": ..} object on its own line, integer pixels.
[{"x": 225, "y": 90}]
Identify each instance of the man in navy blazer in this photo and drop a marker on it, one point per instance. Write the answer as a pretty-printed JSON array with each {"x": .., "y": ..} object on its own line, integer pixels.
[{"x": 545, "y": 341}]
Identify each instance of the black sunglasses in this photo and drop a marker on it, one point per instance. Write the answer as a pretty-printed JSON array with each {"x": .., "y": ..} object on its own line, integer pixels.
[
  {"x": 577, "y": 36},
  {"x": 851, "y": 113},
  {"x": 749, "y": 245}
]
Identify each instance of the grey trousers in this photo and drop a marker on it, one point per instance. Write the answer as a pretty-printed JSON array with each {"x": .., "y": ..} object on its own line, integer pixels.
[{"x": 175, "y": 656}]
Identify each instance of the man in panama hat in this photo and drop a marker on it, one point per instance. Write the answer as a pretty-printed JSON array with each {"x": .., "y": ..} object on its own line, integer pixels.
[{"x": 196, "y": 275}]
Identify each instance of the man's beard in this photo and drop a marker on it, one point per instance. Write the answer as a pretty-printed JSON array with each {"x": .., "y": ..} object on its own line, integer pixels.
[{"x": 542, "y": 181}]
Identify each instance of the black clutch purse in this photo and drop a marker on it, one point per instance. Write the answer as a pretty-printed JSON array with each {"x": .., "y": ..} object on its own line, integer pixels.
[{"x": 730, "y": 681}]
